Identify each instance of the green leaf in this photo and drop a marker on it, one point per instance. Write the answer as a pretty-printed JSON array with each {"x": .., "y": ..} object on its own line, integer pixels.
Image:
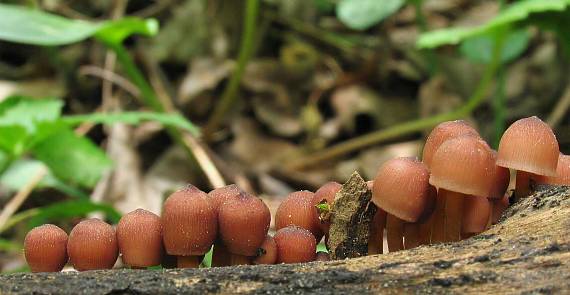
[
  {"x": 173, "y": 120},
  {"x": 72, "y": 158},
  {"x": 70, "y": 209},
  {"x": 480, "y": 48},
  {"x": 363, "y": 14},
  {"x": 30, "y": 26},
  {"x": 27, "y": 112},
  {"x": 18, "y": 175},
  {"x": 515, "y": 12}
]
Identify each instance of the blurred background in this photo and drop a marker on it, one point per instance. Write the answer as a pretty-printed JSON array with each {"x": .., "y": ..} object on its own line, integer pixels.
[{"x": 113, "y": 105}]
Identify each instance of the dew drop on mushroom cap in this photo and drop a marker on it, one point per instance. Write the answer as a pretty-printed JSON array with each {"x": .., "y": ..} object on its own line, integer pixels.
[
  {"x": 189, "y": 225},
  {"x": 297, "y": 209},
  {"x": 139, "y": 234},
  {"x": 295, "y": 245},
  {"x": 244, "y": 221},
  {"x": 325, "y": 194},
  {"x": 45, "y": 248},
  {"x": 443, "y": 132},
  {"x": 530, "y": 147},
  {"x": 562, "y": 173},
  {"x": 92, "y": 245}
]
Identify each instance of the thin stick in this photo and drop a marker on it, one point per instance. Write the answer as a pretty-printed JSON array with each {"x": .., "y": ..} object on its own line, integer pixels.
[{"x": 14, "y": 204}]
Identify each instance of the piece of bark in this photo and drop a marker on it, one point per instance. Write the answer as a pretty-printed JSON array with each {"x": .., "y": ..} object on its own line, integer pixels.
[
  {"x": 528, "y": 252},
  {"x": 351, "y": 215}
]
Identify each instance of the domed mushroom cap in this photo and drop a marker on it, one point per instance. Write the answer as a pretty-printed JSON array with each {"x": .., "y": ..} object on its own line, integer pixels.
[
  {"x": 465, "y": 165},
  {"x": 45, "y": 248},
  {"x": 297, "y": 209},
  {"x": 402, "y": 188},
  {"x": 139, "y": 234},
  {"x": 267, "y": 252},
  {"x": 443, "y": 132},
  {"x": 326, "y": 194},
  {"x": 244, "y": 221},
  {"x": 92, "y": 244},
  {"x": 189, "y": 222},
  {"x": 476, "y": 213},
  {"x": 529, "y": 145},
  {"x": 221, "y": 194},
  {"x": 295, "y": 245},
  {"x": 562, "y": 173}
]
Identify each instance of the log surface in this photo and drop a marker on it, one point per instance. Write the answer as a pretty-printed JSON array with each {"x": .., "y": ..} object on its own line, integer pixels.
[{"x": 527, "y": 253}]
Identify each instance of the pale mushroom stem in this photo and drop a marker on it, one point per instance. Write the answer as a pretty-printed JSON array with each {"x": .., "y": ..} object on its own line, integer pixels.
[
  {"x": 522, "y": 187},
  {"x": 438, "y": 222},
  {"x": 395, "y": 233},
  {"x": 188, "y": 261},
  {"x": 411, "y": 235},
  {"x": 453, "y": 215},
  {"x": 236, "y": 259}
]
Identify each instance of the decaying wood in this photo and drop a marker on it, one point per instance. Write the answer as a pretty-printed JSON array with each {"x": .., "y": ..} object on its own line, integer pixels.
[
  {"x": 351, "y": 214},
  {"x": 527, "y": 253}
]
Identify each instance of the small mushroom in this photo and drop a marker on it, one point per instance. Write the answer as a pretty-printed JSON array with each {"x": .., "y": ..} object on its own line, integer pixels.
[
  {"x": 476, "y": 215},
  {"x": 562, "y": 173},
  {"x": 295, "y": 245},
  {"x": 322, "y": 201},
  {"x": 92, "y": 244},
  {"x": 189, "y": 225},
  {"x": 530, "y": 147},
  {"x": 244, "y": 221},
  {"x": 267, "y": 252},
  {"x": 297, "y": 209},
  {"x": 221, "y": 256},
  {"x": 139, "y": 235},
  {"x": 45, "y": 248}
]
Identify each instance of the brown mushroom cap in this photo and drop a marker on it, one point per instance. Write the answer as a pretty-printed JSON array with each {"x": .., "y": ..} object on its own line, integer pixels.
[
  {"x": 45, "y": 248},
  {"x": 443, "y": 132},
  {"x": 267, "y": 253},
  {"x": 325, "y": 194},
  {"x": 465, "y": 165},
  {"x": 562, "y": 173},
  {"x": 244, "y": 221},
  {"x": 295, "y": 245},
  {"x": 297, "y": 209},
  {"x": 221, "y": 194},
  {"x": 529, "y": 145},
  {"x": 139, "y": 235},
  {"x": 501, "y": 179},
  {"x": 401, "y": 188},
  {"x": 476, "y": 213},
  {"x": 189, "y": 222},
  {"x": 92, "y": 245}
]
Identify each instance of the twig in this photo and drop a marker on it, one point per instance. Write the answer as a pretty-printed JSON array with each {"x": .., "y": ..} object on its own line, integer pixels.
[
  {"x": 409, "y": 127},
  {"x": 229, "y": 95},
  {"x": 112, "y": 77}
]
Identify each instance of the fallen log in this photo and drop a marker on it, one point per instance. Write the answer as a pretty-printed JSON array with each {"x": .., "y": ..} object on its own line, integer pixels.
[{"x": 528, "y": 252}]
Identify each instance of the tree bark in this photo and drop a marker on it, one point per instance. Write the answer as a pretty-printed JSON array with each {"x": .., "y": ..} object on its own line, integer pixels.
[{"x": 526, "y": 253}]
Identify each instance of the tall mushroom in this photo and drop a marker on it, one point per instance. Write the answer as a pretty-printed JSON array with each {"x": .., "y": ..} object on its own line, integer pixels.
[
  {"x": 221, "y": 256},
  {"x": 189, "y": 224},
  {"x": 441, "y": 133},
  {"x": 244, "y": 221},
  {"x": 461, "y": 166},
  {"x": 530, "y": 147},
  {"x": 92, "y": 244},
  {"x": 45, "y": 248},
  {"x": 401, "y": 188},
  {"x": 139, "y": 236}
]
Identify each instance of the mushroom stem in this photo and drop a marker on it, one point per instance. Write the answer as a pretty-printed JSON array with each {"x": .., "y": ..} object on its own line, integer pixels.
[
  {"x": 221, "y": 255},
  {"x": 376, "y": 239},
  {"x": 188, "y": 261},
  {"x": 438, "y": 218},
  {"x": 395, "y": 233},
  {"x": 236, "y": 259},
  {"x": 453, "y": 215},
  {"x": 411, "y": 235},
  {"x": 522, "y": 187},
  {"x": 424, "y": 235}
]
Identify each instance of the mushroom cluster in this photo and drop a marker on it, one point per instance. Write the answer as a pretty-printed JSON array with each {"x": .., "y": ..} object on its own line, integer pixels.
[{"x": 457, "y": 190}]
